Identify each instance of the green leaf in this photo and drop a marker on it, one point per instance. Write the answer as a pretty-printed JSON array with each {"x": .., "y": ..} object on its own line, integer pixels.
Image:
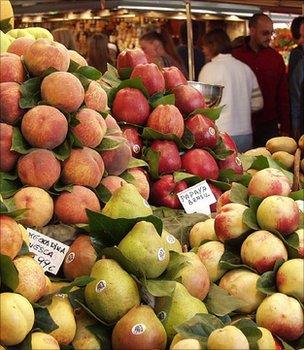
[
  {"x": 137, "y": 163},
  {"x": 298, "y": 195},
  {"x": 76, "y": 296},
  {"x": 250, "y": 330},
  {"x": 232, "y": 261},
  {"x": 44, "y": 321},
  {"x": 176, "y": 264},
  {"x": 286, "y": 346},
  {"x": 48, "y": 71},
  {"x": 125, "y": 73},
  {"x": 5, "y": 25},
  {"x": 73, "y": 66},
  {"x": 18, "y": 143},
  {"x": 254, "y": 203},
  {"x": 81, "y": 281},
  {"x": 30, "y": 93},
  {"x": 89, "y": 72},
  {"x": 267, "y": 281},
  {"x": 128, "y": 177},
  {"x": 163, "y": 100},
  {"x": 249, "y": 218},
  {"x": 9, "y": 184},
  {"x": 238, "y": 194},
  {"x": 108, "y": 143},
  {"x": 85, "y": 82},
  {"x": 247, "y": 161},
  {"x": 212, "y": 113},
  {"x": 224, "y": 186},
  {"x": 223, "y": 154},
  {"x": 63, "y": 151},
  {"x": 151, "y": 157},
  {"x": 74, "y": 141},
  {"x": 190, "y": 179},
  {"x": 91, "y": 313},
  {"x": 24, "y": 249},
  {"x": 293, "y": 246},
  {"x": 102, "y": 334},
  {"x": 60, "y": 187},
  {"x": 26, "y": 343},
  {"x": 103, "y": 193},
  {"x": 159, "y": 288},
  {"x": 8, "y": 273}
]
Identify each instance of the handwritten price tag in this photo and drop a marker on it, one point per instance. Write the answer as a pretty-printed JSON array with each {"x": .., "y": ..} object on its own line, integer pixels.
[
  {"x": 197, "y": 199},
  {"x": 49, "y": 253}
]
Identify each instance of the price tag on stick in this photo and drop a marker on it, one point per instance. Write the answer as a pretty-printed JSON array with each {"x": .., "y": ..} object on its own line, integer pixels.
[
  {"x": 197, "y": 199},
  {"x": 49, "y": 253}
]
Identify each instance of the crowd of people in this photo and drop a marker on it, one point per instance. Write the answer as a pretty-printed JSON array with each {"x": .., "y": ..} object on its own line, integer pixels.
[{"x": 262, "y": 99}]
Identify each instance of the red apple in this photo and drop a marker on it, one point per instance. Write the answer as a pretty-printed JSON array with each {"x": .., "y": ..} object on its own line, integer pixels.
[
  {"x": 169, "y": 160},
  {"x": 129, "y": 58},
  {"x": 173, "y": 77},
  {"x": 151, "y": 77},
  {"x": 228, "y": 142},
  {"x": 187, "y": 99},
  {"x": 167, "y": 120},
  {"x": 217, "y": 194},
  {"x": 200, "y": 162},
  {"x": 164, "y": 191},
  {"x": 134, "y": 140},
  {"x": 231, "y": 162},
  {"x": 131, "y": 106},
  {"x": 204, "y": 130}
]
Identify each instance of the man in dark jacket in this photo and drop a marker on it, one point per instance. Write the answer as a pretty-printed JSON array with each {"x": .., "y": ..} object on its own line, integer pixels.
[{"x": 270, "y": 70}]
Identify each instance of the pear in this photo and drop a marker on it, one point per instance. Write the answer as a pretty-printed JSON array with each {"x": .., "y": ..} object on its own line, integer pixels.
[
  {"x": 171, "y": 243},
  {"x": 43, "y": 341},
  {"x": 113, "y": 292},
  {"x": 143, "y": 246},
  {"x": 139, "y": 329},
  {"x": 126, "y": 202},
  {"x": 177, "y": 309}
]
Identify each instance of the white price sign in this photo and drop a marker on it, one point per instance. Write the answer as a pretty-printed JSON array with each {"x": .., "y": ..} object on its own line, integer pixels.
[
  {"x": 197, "y": 199},
  {"x": 49, "y": 253}
]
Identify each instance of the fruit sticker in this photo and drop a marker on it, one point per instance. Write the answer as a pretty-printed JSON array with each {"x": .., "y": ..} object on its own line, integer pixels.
[
  {"x": 161, "y": 255},
  {"x": 70, "y": 258},
  {"x": 171, "y": 239},
  {"x": 138, "y": 329},
  {"x": 136, "y": 149},
  {"x": 162, "y": 315},
  {"x": 238, "y": 161},
  {"x": 100, "y": 286},
  {"x": 211, "y": 131}
]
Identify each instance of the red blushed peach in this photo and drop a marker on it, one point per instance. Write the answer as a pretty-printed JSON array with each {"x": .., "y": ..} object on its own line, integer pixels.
[
  {"x": 44, "y": 54},
  {"x": 8, "y": 158},
  {"x": 217, "y": 194},
  {"x": 169, "y": 158},
  {"x": 76, "y": 57},
  {"x": 39, "y": 204},
  {"x": 167, "y": 120},
  {"x": 39, "y": 168},
  {"x": 152, "y": 78},
  {"x": 140, "y": 181},
  {"x": 11, "y": 68},
  {"x": 134, "y": 140},
  {"x": 278, "y": 213},
  {"x": 261, "y": 250},
  {"x": 84, "y": 167},
  {"x": 223, "y": 200},
  {"x": 173, "y": 77},
  {"x": 20, "y": 45},
  {"x": 201, "y": 163},
  {"x": 80, "y": 258},
  {"x": 131, "y": 106},
  {"x": 10, "y": 237},
  {"x": 96, "y": 98},
  {"x": 281, "y": 315},
  {"x": 10, "y": 95},
  {"x": 129, "y": 58},
  {"x": 269, "y": 182},
  {"x": 70, "y": 207},
  {"x": 188, "y": 99},
  {"x": 91, "y": 128},
  {"x": 63, "y": 91},
  {"x": 231, "y": 162},
  {"x": 112, "y": 126},
  {"x": 228, "y": 222},
  {"x": 44, "y": 127},
  {"x": 112, "y": 183}
]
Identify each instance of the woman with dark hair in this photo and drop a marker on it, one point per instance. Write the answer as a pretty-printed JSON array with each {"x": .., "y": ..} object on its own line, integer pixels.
[
  {"x": 65, "y": 37},
  {"x": 98, "y": 52},
  {"x": 241, "y": 94}
]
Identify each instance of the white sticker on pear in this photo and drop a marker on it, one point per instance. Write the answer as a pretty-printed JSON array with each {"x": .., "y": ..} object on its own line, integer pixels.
[
  {"x": 100, "y": 286},
  {"x": 211, "y": 131},
  {"x": 161, "y": 255},
  {"x": 162, "y": 315},
  {"x": 70, "y": 258},
  {"x": 138, "y": 329},
  {"x": 171, "y": 239}
]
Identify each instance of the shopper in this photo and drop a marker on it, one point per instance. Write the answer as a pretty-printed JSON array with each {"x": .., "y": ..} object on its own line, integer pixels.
[
  {"x": 296, "y": 77},
  {"x": 270, "y": 70},
  {"x": 241, "y": 93},
  {"x": 65, "y": 37},
  {"x": 98, "y": 52}
]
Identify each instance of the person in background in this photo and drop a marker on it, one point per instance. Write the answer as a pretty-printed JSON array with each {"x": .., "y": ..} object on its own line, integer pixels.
[
  {"x": 98, "y": 52},
  {"x": 296, "y": 77},
  {"x": 159, "y": 49},
  {"x": 270, "y": 70},
  {"x": 65, "y": 37},
  {"x": 112, "y": 53},
  {"x": 182, "y": 49},
  {"x": 241, "y": 93}
]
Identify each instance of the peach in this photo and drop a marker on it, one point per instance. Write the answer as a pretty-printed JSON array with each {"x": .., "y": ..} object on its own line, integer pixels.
[
  {"x": 44, "y": 127},
  {"x": 20, "y": 45},
  {"x": 267, "y": 341},
  {"x": 188, "y": 99},
  {"x": 63, "y": 91},
  {"x": 290, "y": 278},
  {"x": 32, "y": 282},
  {"x": 80, "y": 258},
  {"x": 10, "y": 95},
  {"x": 39, "y": 204},
  {"x": 8, "y": 158},
  {"x": 281, "y": 315},
  {"x": 173, "y": 77},
  {"x": 44, "y": 54},
  {"x": 95, "y": 97},
  {"x": 11, "y": 68},
  {"x": 129, "y": 58},
  {"x": 227, "y": 338},
  {"x": 134, "y": 140},
  {"x": 39, "y": 168},
  {"x": 167, "y": 120},
  {"x": 152, "y": 78},
  {"x": 231, "y": 162},
  {"x": 242, "y": 285},
  {"x": 300, "y": 234},
  {"x": 278, "y": 213},
  {"x": 229, "y": 222},
  {"x": 140, "y": 181},
  {"x": 112, "y": 126},
  {"x": 223, "y": 200},
  {"x": 112, "y": 183},
  {"x": 217, "y": 193},
  {"x": 131, "y": 106},
  {"x": 70, "y": 207},
  {"x": 202, "y": 231},
  {"x": 83, "y": 167},
  {"x": 169, "y": 158},
  {"x": 76, "y": 57},
  {"x": 269, "y": 182},
  {"x": 261, "y": 249},
  {"x": 91, "y": 128},
  {"x": 10, "y": 237}
]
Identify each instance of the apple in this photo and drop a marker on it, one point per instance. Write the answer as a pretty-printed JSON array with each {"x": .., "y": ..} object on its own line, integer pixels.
[
  {"x": 129, "y": 58},
  {"x": 169, "y": 160},
  {"x": 228, "y": 142},
  {"x": 173, "y": 77},
  {"x": 134, "y": 140},
  {"x": 188, "y": 99},
  {"x": 231, "y": 162}
]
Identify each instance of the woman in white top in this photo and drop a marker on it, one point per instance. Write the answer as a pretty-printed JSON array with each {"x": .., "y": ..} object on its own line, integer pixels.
[{"x": 241, "y": 94}]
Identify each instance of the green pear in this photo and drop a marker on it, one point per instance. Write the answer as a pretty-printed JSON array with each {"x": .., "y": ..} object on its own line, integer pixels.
[
  {"x": 5, "y": 41},
  {"x": 39, "y": 32},
  {"x": 171, "y": 243},
  {"x": 178, "y": 309},
  {"x": 143, "y": 246},
  {"x": 19, "y": 33},
  {"x": 126, "y": 202},
  {"x": 139, "y": 329},
  {"x": 112, "y": 293}
]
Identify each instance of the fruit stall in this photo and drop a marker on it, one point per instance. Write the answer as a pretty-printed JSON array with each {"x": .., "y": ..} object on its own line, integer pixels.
[{"x": 129, "y": 220}]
